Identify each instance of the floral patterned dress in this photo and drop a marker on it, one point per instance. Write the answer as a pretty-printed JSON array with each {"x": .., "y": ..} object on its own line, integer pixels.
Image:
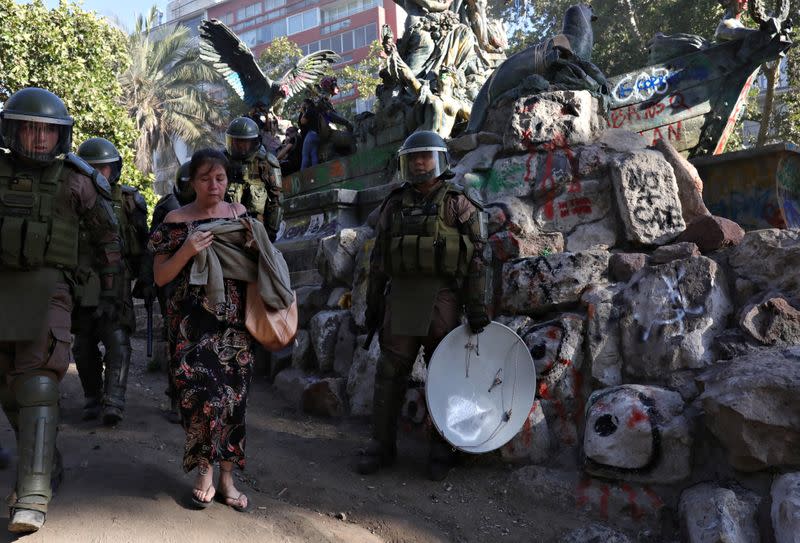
[{"x": 211, "y": 361}]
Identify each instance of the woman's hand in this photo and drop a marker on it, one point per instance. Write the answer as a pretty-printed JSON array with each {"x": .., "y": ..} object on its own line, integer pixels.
[{"x": 196, "y": 242}]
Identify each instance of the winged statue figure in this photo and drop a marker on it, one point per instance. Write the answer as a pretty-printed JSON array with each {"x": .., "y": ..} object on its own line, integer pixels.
[{"x": 234, "y": 61}]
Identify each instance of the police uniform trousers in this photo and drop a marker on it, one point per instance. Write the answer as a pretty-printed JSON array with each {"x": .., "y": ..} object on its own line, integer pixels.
[{"x": 398, "y": 353}]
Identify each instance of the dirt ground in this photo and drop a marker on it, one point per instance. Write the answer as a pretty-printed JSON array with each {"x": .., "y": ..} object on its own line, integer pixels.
[{"x": 126, "y": 483}]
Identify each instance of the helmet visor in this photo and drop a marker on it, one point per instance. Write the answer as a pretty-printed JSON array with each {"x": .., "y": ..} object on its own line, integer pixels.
[
  {"x": 37, "y": 140},
  {"x": 419, "y": 166},
  {"x": 241, "y": 148}
]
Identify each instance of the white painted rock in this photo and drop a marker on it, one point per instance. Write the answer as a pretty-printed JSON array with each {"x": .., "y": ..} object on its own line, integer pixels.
[
  {"x": 569, "y": 116},
  {"x": 751, "y": 407},
  {"x": 358, "y": 294},
  {"x": 324, "y": 329},
  {"x": 637, "y": 433},
  {"x": 532, "y": 443},
  {"x": 785, "y": 510},
  {"x": 670, "y": 315},
  {"x": 711, "y": 514},
  {"x": 555, "y": 347},
  {"x": 647, "y": 197},
  {"x": 594, "y": 533},
  {"x": 541, "y": 284},
  {"x": 361, "y": 381}
]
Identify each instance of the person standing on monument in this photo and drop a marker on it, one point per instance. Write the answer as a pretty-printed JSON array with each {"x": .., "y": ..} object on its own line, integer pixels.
[
  {"x": 432, "y": 257},
  {"x": 106, "y": 390},
  {"x": 48, "y": 195},
  {"x": 255, "y": 175}
]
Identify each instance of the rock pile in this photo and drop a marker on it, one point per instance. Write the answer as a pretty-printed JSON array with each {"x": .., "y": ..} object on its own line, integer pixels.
[{"x": 666, "y": 340}]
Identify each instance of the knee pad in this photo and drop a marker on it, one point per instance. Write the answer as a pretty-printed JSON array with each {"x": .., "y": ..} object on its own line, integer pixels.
[{"x": 36, "y": 389}]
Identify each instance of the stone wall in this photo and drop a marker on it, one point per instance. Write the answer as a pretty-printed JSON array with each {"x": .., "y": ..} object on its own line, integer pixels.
[{"x": 666, "y": 341}]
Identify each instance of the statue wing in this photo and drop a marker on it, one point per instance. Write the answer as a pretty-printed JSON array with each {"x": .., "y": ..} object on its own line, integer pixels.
[
  {"x": 234, "y": 61},
  {"x": 307, "y": 71}
]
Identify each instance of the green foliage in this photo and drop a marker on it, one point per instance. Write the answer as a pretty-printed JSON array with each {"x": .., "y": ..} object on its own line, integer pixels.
[
  {"x": 279, "y": 57},
  {"x": 78, "y": 56},
  {"x": 785, "y": 123},
  {"x": 618, "y": 48},
  {"x": 167, "y": 90},
  {"x": 364, "y": 75}
]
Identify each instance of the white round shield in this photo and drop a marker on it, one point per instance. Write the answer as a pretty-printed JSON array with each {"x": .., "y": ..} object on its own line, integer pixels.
[{"x": 480, "y": 388}]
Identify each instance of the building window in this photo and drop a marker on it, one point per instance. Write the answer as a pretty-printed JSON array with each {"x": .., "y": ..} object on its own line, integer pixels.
[
  {"x": 346, "y": 9},
  {"x": 227, "y": 19},
  {"x": 346, "y": 41},
  {"x": 250, "y": 38},
  {"x": 247, "y": 12},
  {"x": 302, "y": 21},
  {"x": 272, "y": 4}
]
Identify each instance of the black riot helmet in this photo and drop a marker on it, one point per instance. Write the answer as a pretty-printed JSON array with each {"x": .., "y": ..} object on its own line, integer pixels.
[
  {"x": 423, "y": 156},
  {"x": 99, "y": 152},
  {"x": 182, "y": 189},
  {"x": 35, "y": 125},
  {"x": 242, "y": 139}
]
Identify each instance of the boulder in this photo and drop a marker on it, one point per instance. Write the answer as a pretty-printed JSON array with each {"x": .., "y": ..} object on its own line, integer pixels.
[
  {"x": 479, "y": 159},
  {"x": 336, "y": 254},
  {"x": 507, "y": 245},
  {"x": 358, "y": 296},
  {"x": 670, "y": 316},
  {"x": 622, "y": 266},
  {"x": 710, "y": 514},
  {"x": 780, "y": 248},
  {"x": 594, "y": 533},
  {"x": 711, "y": 233},
  {"x": 325, "y": 337},
  {"x": 339, "y": 298},
  {"x": 539, "y": 284},
  {"x": 468, "y": 142},
  {"x": 303, "y": 352},
  {"x": 674, "y": 251},
  {"x": 555, "y": 347},
  {"x": 511, "y": 214},
  {"x": 751, "y": 406},
  {"x": 518, "y": 323},
  {"x": 690, "y": 185},
  {"x": 593, "y": 161},
  {"x": 532, "y": 443},
  {"x": 647, "y": 197},
  {"x": 571, "y": 117},
  {"x": 310, "y": 300},
  {"x": 361, "y": 381},
  {"x": 290, "y": 384},
  {"x": 344, "y": 349},
  {"x": 590, "y": 236},
  {"x": 785, "y": 510},
  {"x": 622, "y": 141},
  {"x": 637, "y": 433},
  {"x": 515, "y": 176},
  {"x": 774, "y": 321},
  {"x": 602, "y": 338},
  {"x": 325, "y": 397}
]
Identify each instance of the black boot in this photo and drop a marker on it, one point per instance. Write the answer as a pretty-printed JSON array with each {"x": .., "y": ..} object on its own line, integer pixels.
[
  {"x": 441, "y": 460},
  {"x": 118, "y": 360},
  {"x": 91, "y": 408},
  {"x": 375, "y": 456}
]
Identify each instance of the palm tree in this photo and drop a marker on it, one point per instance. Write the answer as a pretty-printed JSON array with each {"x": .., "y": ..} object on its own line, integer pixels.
[{"x": 165, "y": 91}]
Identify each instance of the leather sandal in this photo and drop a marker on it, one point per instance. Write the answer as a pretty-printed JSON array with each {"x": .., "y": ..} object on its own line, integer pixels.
[{"x": 235, "y": 503}]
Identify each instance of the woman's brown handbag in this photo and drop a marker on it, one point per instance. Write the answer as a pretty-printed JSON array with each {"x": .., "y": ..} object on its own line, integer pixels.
[{"x": 274, "y": 329}]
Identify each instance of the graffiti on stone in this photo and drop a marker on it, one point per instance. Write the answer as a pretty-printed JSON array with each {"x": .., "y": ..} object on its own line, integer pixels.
[{"x": 674, "y": 311}]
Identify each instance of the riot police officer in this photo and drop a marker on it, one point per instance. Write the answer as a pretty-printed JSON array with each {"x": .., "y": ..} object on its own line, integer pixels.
[
  {"x": 431, "y": 255},
  {"x": 90, "y": 328},
  {"x": 46, "y": 193},
  {"x": 255, "y": 175},
  {"x": 180, "y": 195}
]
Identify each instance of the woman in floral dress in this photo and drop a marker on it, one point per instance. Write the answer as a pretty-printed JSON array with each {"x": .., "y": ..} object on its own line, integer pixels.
[{"x": 212, "y": 351}]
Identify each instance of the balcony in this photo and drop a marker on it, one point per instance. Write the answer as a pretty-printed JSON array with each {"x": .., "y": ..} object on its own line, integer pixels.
[{"x": 181, "y": 8}]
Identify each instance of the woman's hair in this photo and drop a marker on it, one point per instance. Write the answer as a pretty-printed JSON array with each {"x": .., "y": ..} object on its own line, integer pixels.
[{"x": 205, "y": 159}]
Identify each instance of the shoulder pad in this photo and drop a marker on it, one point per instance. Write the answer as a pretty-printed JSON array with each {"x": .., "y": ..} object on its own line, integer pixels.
[
  {"x": 394, "y": 192},
  {"x": 470, "y": 193},
  {"x": 127, "y": 189},
  {"x": 273, "y": 160},
  {"x": 261, "y": 154},
  {"x": 139, "y": 200},
  {"x": 167, "y": 203},
  {"x": 100, "y": 182}
]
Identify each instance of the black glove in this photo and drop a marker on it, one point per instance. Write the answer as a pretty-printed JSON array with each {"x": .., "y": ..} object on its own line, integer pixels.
[{"x": 478, "y": 319}]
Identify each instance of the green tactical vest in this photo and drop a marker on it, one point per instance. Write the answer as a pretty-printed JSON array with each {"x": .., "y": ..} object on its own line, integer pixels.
[
  {"x": 37, "y": 226},
  {"x": 123, "y": 205},
  {"x": 248, "y": 183},
  {"x": 421, "y": 244}
]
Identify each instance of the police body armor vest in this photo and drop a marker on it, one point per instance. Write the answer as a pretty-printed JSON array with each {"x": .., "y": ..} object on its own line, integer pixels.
[
  {"x": 122, "y": 199},
  {"x": 37, "y": 228},
  {"x": 250, "y": 180},
  {"x": 422, "y": 244}
]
